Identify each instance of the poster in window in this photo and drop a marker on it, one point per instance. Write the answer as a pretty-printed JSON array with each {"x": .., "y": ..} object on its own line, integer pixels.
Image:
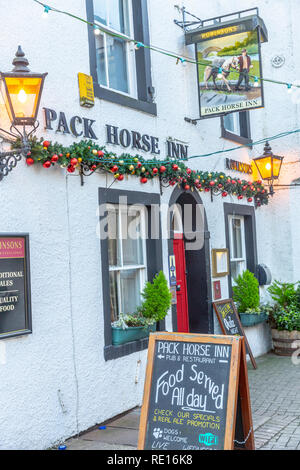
[
  {"x": 229, "y": 68},
  {"x": 15, "y": 307}
]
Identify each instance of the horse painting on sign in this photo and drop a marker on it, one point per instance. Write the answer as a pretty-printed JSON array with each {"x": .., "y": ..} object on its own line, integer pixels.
[{"x": 226, "y": 65}]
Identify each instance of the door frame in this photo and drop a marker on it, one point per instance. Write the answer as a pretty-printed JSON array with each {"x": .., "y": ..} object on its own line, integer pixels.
[{"x": 173, "y": 200}]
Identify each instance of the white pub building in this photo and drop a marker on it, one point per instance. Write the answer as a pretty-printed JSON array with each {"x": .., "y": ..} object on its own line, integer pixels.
[{"x": 127, "y": 117}]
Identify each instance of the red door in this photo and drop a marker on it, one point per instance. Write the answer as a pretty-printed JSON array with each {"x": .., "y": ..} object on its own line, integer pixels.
[{"x": 182, "y": 303}]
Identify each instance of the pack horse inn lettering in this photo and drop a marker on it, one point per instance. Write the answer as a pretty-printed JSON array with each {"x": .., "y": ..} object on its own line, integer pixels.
[{"x": 86, "y": 128}]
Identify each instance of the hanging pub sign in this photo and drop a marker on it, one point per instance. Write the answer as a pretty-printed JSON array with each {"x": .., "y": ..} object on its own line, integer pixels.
[
  {"x": 228, "y": 53},
  {"x": 15, "y": 305},
  {"x": 196, "y": 394}
]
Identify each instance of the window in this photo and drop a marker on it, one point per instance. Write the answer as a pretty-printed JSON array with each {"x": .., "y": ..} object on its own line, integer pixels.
[
  {"x": 115, "y": 56},
  {"x": 127, "y": 258},
  {"x": 236, "y": 127},
  {"x": 121, "y": 73},
  {"x": 238, "y": 261}
]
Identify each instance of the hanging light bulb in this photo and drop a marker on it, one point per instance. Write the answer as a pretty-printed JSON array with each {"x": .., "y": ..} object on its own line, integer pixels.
[
  {"x": 97, "y": 31},
  {"x": 289, "y": 88},
  {"x": 220, "y": 73},
  {"x": 256, "y": 82},
  {"x": 138, "y": 45},
  {"x": 22, "y": 96},
  {"x": 46, "y": 11}
]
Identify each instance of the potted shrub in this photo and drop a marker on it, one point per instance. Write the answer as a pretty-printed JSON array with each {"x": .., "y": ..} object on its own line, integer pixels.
[
  {"x": 246, "y": 296},
  {"x": 156, "y": 303},
  {"x": 285, "y": 316}
]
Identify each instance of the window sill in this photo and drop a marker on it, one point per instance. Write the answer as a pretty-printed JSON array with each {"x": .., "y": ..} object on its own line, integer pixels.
[
  {"x": 123, "y": 100},
  {"x": 236, "y": 138},
  {"x": 115, "y": 352}
]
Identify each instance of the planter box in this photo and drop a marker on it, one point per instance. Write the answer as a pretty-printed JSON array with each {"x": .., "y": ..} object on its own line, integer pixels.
[
  {"x": 283, "y": 342},
  {"x": 120, "y": 336},
  {"x": 249, "y": 319}
]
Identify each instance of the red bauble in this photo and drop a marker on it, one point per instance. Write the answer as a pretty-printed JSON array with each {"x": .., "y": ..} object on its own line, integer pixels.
[
  {"x": 100, "y": 154},
  {"x": 197, "y": 182},
  {"x": 245, "y": 187},
  {"x": 250, "y": 199},
  {"x": 240, "y": 197},
  {"x": 70, "y": 169},
  {"x": 30, "y": 161},
  {"x": 187, "y": 187},
  {"x": 47, "y": 164},
  {"x": 144, "y": 180},
  {"x": 175, "y": 167},
  {"x": 73, "y": 161},
  {"x": 233, "y": 182},
  {"x": 207, "y": 190},
  {"x": 94, "y": 167},
  {"x": 162, "y": 169},
  {"x": 212, "y": 183},
  {"x": 220, "y": 185},
  {"x": 189, "y": 171},
  {"x": 120, "y": 177},
  {"x": 224, "y": 194},
  {"x": 155, "y": 171},
  {"x": 46, "y": 144},
  {"x": 114, "y": 169},
  {"x": 54, "y": 158},
  {"x": 138, "y": 164}
]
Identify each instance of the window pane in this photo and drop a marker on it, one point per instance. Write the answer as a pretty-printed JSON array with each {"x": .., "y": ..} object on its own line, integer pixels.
[
  {"x": 118, "y": 15},
  {"x": 117, "y": 64},
  {"x": 237, "y": 238},
  {"x": 113, "y": 237},
  {"x": 100, "y": 11},
  {"x": 130, "y": 290},
  {"x": 231, "y": 123},
  {"x": 237, "y": 268},
  {"x": 101, "y": 63},
  {"x": 114, "y": 307},
  {"x": 132, "y": 239}
]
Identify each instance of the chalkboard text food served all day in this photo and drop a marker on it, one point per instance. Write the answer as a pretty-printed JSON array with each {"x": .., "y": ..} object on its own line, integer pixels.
[{"x": 190, "y": 392}]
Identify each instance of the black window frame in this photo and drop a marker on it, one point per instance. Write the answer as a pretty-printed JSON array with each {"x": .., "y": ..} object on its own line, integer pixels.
[
  {"x": 145, "y": 89},
  {"x": 154, "y": 265},
  {"x": 248, "y": 212},
  {"x": 245, "y": 135}
]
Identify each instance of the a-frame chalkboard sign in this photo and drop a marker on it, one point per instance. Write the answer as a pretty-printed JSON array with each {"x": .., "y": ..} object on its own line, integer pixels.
[
  {"x": 196, "y": 394},
  {"x": 230, "y": 323}
]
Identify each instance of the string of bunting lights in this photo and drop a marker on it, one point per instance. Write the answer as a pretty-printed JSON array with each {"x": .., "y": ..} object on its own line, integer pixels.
[
  {"x": 88, "y": 157},
  {"x": 179, "y": 59}
]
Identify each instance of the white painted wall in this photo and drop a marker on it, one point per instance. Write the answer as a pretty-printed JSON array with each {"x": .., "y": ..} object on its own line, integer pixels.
[{"x": 65, "y": 351}]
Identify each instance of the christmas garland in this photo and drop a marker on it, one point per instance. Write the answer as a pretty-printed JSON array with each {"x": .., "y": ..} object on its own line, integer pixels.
[{"x": 88, "y": 156}]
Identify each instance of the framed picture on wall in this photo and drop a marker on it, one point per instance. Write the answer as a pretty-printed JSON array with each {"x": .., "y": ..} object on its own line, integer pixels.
[{"x": 220, "y": 262}]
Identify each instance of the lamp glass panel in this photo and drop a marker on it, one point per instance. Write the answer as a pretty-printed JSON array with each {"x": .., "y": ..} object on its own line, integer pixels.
[
  {"x": 24, "y": 94},
  {"x": 264, "y": 166},
  {"x": 276, "y": 166}
]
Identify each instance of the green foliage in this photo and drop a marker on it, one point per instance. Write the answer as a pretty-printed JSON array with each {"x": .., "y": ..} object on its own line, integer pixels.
[
  {"x": 246, "y": 291},
  {"x": 284, "y": 293},
  {"x": 285, "y": 314},
  {"x": 286, "y": 319},
  {"x": 126, "y": 320},
  {"x": 157, "y": 298},
  {"x": 254, "y": 311}
]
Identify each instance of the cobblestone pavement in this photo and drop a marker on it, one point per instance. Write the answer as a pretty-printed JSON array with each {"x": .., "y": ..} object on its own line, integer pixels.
[{"x": 275, "y": 401}]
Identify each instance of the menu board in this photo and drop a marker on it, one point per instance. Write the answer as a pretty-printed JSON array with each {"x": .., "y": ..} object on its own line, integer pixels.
[
  {"x": 15, "y": 315},
  {"x": 230, "y": 323},
  {"x": 191, "y": 389}
]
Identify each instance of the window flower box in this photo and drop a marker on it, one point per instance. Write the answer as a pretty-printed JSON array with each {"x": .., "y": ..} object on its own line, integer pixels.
[
  {"x": 131, "y": 333},
  {"x": 252, "y": 319}
]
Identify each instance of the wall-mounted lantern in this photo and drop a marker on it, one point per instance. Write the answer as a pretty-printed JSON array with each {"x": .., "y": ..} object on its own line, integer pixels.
[
  {"x": 21, "y": 92},
  {"x": 269, "y": 166}
]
